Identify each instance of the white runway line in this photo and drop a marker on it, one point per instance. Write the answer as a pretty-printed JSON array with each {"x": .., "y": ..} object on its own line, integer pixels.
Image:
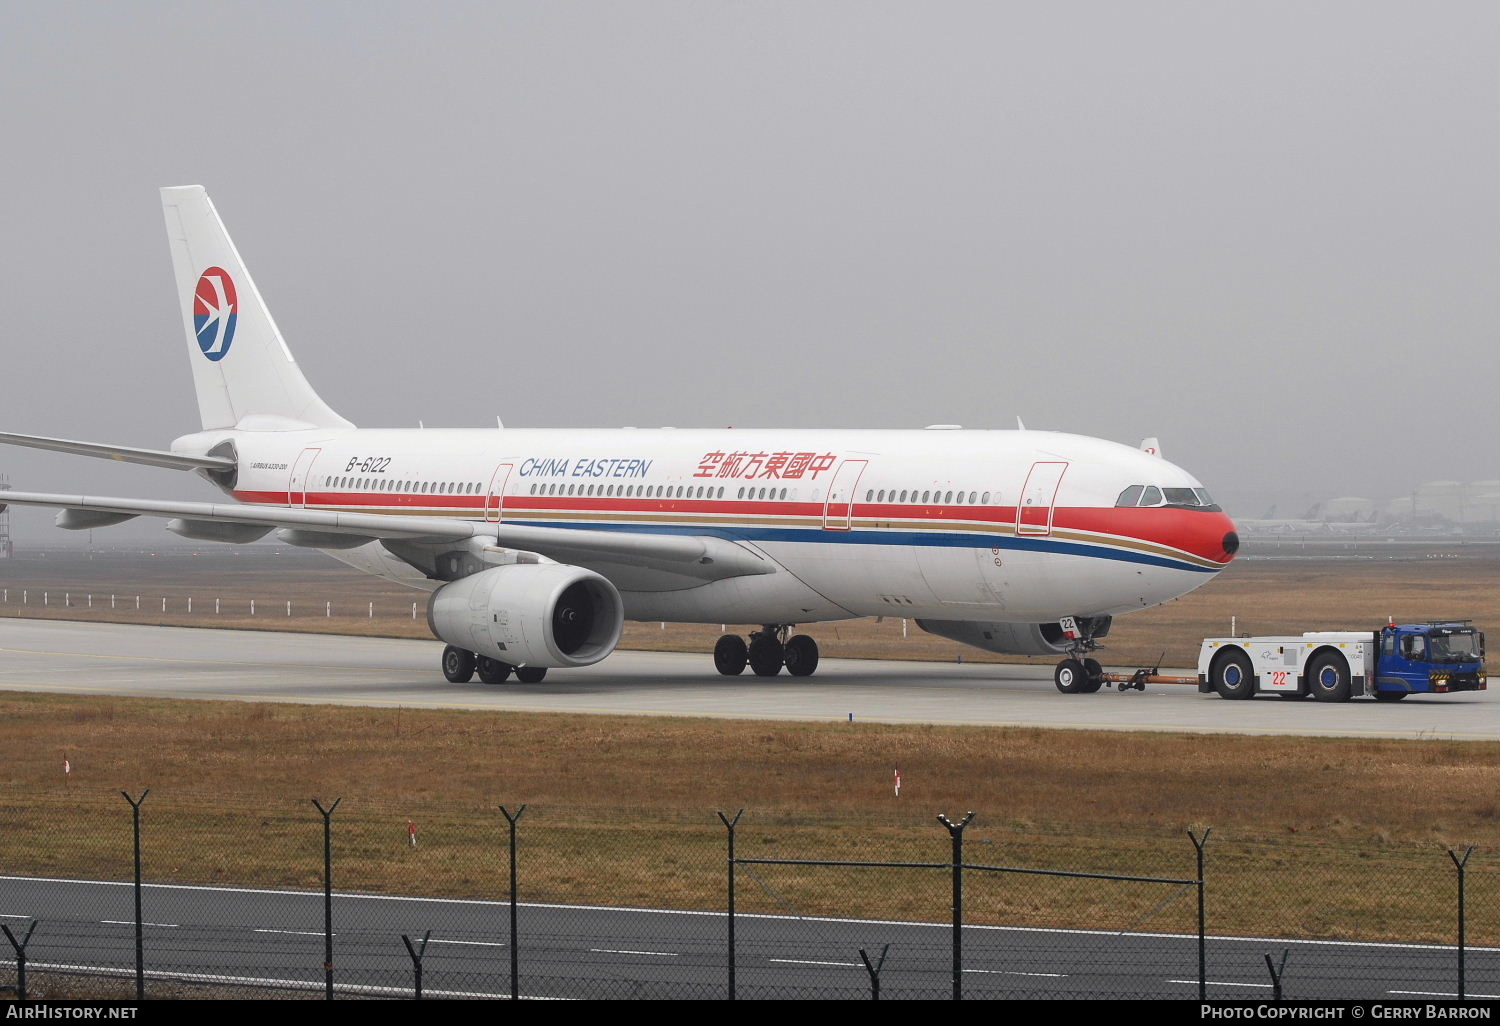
[{"x": 615, "y": 951}]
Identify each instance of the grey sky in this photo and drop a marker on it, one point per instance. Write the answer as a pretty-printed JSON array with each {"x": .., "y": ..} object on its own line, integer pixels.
[{"x": 1268, "y": 233}]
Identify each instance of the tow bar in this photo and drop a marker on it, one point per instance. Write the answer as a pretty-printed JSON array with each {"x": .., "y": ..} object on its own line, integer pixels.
[{"x": 1138, "y": 680}]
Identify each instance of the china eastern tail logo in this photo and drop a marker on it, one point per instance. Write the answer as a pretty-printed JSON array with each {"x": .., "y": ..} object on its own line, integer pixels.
[{"x": 215, "y": 310}]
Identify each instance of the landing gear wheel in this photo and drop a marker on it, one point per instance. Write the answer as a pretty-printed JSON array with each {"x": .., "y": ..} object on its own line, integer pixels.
[
  {"x": 1390, "y": 696},
  {"x": 491, "y": 671},
  {"x": 1233, "y": 676},
  {"x": 766, "y": 656},
  {"x": 801, "y": 655},
  {"x": 730, "y": 655},
  {"x": 530, "y": 674},
  {"x": 1328, "y": 678},
  {"x": 458, "y": 664},
  {"x": 1070, "y": 677},
  {"x": 1093, "y": 676}
]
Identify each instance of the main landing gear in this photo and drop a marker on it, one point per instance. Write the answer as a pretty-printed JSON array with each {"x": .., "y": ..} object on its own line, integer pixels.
[
  {"x": 768, "y": 651},
  {"x": 460, "y": 665}
]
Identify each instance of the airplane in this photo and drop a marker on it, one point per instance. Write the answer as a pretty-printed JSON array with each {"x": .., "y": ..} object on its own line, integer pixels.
[{"x": 536, "y": 545}]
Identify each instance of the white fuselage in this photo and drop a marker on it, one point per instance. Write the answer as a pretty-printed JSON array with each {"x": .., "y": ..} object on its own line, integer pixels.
[{"x": 1005, "y": 526}]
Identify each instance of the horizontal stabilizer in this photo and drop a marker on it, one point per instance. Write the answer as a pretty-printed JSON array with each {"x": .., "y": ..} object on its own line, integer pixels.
[{"x": 126, "y": 454}]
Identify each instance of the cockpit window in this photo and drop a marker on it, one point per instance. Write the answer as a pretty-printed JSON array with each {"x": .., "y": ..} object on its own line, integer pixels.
[{"x": 1175, "y": 498}]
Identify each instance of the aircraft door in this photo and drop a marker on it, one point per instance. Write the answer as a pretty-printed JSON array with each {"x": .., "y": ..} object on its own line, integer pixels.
[
  {"x": 494, "y": 501},
  {"x": 296, "y": 485},
  {"x": 1034, "y": 508},
  {"x": 838, "y": 508}
]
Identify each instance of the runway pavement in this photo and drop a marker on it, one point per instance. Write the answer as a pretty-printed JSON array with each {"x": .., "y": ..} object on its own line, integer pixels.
[{"x": 114, "y": 659}]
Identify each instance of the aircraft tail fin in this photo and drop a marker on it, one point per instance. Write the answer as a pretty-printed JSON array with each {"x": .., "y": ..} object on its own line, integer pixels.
[
  {"x": 1151, "y": 446},
  {"x": 242, "y": 369}
]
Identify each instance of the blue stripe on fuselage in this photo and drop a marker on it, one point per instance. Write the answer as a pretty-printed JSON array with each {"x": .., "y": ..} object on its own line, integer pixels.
[{"x": 931, "y": 539}]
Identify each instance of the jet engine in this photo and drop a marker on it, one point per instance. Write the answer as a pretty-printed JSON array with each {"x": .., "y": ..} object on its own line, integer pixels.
[
  {"x": 532, "y": 614},
  {"x": 1015, "y": 638}
]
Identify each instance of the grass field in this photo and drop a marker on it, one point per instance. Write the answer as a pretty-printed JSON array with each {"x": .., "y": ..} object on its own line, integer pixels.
[
  {"x": 1312, "y": 837},
  {"x": 622, "y": 808}
]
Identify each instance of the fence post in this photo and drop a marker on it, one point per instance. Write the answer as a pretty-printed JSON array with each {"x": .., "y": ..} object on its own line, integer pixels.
[
  {"x": 1200, "y": 843},
  {"x": 1461, "y": 865},
  {"x": 874, "y": 970},
  {"x": 956, "y": 832},
  {"x": 729, "y": 825},
  {"x": 1278, "y": 973},
  {"x": 140, "y": 945},
  {"x": 20, "y": 946},
  {"x": 416, "y": 960},
  {"x": 327, "y": 895},
  {"x": 515, "y": 956}
]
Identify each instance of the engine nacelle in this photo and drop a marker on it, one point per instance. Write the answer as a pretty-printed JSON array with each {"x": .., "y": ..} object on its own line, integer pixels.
[
  {"x": 1014, "y": 638},
  {"x": 530, "y": 614}
]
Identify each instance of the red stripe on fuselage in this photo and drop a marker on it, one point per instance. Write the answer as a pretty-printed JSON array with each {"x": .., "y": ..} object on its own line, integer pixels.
[{"x": 1195, "y": 531}]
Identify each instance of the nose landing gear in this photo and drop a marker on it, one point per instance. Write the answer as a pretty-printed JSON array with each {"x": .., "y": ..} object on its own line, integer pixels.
[{"x": 1079, "y": 674}]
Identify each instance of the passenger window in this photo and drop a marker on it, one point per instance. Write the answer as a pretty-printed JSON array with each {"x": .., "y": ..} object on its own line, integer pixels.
[
  {"x": 783, "y": 493},
  {"x": 925, "y": 495},
  {"x": 985, "y": 498},
  {"x": 949, "y": 498},
  {"x": 903, "y": 495},
  {"x": 1130, "y": 496}
]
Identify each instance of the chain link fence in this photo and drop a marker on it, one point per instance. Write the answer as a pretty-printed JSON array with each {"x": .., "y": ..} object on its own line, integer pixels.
[{"x": 357, "y": 897}]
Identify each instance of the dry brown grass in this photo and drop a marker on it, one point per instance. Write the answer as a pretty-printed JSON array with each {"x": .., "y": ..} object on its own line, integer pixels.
[
  {"x": 622, "y": 810},
  {"x": 1346, "y": 789}
]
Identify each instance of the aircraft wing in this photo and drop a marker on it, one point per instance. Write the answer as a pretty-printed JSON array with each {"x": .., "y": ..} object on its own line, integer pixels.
[{"x": 702, "y": 557}]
